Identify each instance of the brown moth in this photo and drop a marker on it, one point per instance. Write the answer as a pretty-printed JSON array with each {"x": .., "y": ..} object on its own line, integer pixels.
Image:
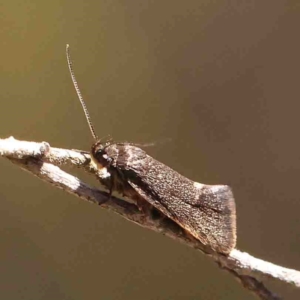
[{"x": 207, "y": 212}]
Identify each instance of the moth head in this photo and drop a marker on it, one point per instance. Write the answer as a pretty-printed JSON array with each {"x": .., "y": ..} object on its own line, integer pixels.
[{"x": 99, "y": 155}]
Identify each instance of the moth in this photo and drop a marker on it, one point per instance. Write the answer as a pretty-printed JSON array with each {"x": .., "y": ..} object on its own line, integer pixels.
[{"x": 207, "y": 212}]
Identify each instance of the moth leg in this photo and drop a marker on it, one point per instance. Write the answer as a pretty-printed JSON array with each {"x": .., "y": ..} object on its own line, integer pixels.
[{"x": 111, "y": 188}]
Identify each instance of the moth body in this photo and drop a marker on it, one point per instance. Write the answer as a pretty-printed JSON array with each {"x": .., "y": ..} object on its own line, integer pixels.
[{"x": 207, "y": 212}]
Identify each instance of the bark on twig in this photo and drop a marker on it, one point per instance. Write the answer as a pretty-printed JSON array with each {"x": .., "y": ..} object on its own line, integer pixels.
[{"x": 42, "y": 161}]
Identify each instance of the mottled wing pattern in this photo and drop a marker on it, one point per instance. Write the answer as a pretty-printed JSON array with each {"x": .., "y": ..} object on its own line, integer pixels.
[{"x": 205, "y": 211}]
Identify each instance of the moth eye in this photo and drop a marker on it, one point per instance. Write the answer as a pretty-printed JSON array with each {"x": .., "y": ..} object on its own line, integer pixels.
[{"x": 99, "y": 152}]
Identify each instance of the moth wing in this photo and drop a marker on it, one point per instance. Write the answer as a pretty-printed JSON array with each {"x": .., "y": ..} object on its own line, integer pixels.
[
  {"x": 212, "y": 228},
  {"x": 205, "y": 211}
]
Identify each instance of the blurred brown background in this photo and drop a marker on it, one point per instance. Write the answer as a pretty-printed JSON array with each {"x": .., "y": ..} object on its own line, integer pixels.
[{"x": 219, "y": 78}]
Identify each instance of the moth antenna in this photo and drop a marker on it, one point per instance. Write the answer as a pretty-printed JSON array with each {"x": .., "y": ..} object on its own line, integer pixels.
[{"x": 87, "y": 115}]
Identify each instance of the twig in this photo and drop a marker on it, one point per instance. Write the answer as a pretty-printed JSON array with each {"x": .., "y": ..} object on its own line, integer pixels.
[{"x": 42, "y": 160}]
